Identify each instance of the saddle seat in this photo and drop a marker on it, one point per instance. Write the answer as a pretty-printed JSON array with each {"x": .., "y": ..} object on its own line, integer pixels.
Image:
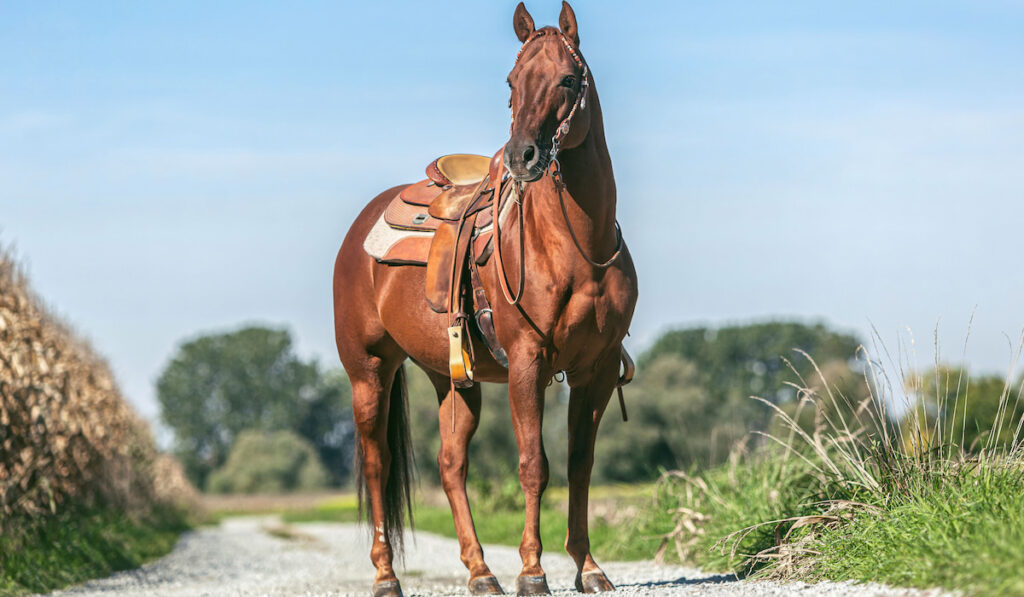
[
  {"x": 457, "y": 186},
  {"x": 453, "y": 182},
  {"x": 459, "y": 169}
]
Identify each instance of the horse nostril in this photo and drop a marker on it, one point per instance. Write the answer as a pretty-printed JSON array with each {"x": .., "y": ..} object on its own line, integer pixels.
[{"x": 529, "y": 153}]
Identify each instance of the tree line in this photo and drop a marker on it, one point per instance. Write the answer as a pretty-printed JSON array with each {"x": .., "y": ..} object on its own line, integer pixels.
[{"x": 249, "y": 415}]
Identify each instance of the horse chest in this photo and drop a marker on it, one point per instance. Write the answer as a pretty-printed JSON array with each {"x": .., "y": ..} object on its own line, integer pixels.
[
  {"x": 585, "y": 314},
  {"x": 594, "y": 316}
]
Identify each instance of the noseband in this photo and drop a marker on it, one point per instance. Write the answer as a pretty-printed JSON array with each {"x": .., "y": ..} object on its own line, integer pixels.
[{"x": 556, "y": 176}]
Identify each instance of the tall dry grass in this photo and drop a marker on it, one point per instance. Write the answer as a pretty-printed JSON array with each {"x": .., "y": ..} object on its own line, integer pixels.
[
  {"x": 67, "y": 436},
  {"x": 885, "y": 486}
]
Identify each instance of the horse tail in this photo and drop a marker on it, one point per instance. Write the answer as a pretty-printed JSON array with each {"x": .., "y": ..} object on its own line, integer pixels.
[{"x": 398, "y": 488}]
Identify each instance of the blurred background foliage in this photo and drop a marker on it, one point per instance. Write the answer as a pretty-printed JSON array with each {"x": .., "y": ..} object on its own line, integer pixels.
[
  {"x": 988, "y": 418},
  {"x": 270, "y": 462},
  {"x": 249, "y": 416},
  {"x": 218, "y": 386}
]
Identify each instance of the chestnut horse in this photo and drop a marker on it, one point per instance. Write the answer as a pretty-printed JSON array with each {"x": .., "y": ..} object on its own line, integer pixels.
[{"x": 572, "y": 316}]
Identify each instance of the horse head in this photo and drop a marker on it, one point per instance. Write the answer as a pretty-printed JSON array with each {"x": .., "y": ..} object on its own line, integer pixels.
[{"x": 548, "y": 85}]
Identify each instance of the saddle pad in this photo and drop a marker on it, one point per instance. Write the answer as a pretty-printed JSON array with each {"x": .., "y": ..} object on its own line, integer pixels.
[
  {"x": 397, "y": 247},
  {"x": 400, "y": 214}
]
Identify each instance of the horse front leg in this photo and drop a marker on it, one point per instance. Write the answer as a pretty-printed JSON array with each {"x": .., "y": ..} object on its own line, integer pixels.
[
  {"x": 526, "y": 400},
  {"x": 587, "y": 404},
  {"x": 457, "y": 430}
]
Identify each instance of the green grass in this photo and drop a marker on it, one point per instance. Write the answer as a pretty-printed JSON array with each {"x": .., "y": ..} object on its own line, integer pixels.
[
  {"x": 858, "y": 498},
  {"x": 76, "y": 546},
  {"x": 964, "y": 530},
  {"x": 342, "y": 509},
  {"x": 503, "y": 524},
  {"x": 704, "y": 509},
  {"x": 966, "y": 534}
]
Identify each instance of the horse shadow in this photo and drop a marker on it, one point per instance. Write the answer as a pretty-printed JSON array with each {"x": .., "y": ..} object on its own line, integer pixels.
[{"x": 683, "y": 581}]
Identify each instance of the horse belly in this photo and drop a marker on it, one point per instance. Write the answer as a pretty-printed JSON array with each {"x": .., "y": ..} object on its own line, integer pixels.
[{"x": 418, "y": 329}]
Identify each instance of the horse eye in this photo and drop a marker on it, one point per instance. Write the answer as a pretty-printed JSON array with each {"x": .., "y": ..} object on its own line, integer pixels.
[{"x": 568, "y": 81}]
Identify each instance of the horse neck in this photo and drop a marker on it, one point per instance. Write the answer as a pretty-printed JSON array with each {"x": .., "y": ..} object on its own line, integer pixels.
[{"x": 589, "y": 196}]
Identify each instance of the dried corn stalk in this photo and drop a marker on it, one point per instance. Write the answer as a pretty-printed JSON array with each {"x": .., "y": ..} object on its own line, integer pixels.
[{"x": 66, "y": 433}]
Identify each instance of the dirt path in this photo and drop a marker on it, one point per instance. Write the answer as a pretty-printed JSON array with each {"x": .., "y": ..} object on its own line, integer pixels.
[{"x": 258, "y": 556}]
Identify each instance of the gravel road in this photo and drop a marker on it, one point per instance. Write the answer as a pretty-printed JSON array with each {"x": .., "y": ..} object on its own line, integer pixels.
[{"x": 256, "y": 556}]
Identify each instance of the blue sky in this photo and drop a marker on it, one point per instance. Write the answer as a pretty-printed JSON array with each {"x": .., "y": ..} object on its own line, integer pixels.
[{"x": 168, "y": 170}]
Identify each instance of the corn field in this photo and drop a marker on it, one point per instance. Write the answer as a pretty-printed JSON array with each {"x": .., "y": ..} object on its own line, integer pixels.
[{"x": 67, "y": 436}]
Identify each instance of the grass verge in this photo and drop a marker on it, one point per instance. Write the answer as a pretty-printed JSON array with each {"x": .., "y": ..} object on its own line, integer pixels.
[
  {"x": 964, "y": 531},
  {"x": 966, "y": 534},
  {"x": 73, "y": 547},
  {"x": 859, "y": 495}
]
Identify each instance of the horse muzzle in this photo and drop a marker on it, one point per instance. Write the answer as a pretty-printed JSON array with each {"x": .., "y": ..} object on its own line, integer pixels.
[{"x": 526, "y": 161}]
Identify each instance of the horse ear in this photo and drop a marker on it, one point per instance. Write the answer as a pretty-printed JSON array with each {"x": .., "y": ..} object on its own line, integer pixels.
[
  {"x": 567, "y": 23},
  {"x": 522, "y": 22}
]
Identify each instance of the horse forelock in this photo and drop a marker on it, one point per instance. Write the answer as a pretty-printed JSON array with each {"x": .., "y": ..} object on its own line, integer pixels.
[{"x": 529, "y": 49}]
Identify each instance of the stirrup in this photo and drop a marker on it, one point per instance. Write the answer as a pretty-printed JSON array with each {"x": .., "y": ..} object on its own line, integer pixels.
[{"x": 460, "y": 364}]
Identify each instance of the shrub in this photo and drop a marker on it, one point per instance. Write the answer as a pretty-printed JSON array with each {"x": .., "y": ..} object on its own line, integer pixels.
[{"x": 269, "y": 462}]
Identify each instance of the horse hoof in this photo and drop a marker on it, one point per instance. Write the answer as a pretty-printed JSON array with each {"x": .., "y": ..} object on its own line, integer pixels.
[
  {"x": 593, "y": 582},
  {"x": 485, "y": 585},
  {"x": 387, "y": 588},
  {"x": 532, "y": 585}
]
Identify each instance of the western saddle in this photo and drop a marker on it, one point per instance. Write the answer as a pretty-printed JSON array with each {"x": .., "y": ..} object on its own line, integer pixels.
[{"x": 444, "y": 223}]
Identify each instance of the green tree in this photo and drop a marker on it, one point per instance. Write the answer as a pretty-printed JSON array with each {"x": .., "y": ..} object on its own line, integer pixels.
[
  {"x": 218, "y": 385},
  {"x": 327, "y": 423},
  {"x": 747, "y": 360},
  {"x": 674, "y": 422},
  {"x": 691, "y": 402},
  {"x": 965, "y": 410}
]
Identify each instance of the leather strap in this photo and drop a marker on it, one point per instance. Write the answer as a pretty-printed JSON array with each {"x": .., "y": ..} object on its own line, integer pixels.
[
  {"x": 506, "y": 288},
  {"x": 628, "y": 369},
  {"x": 484, "y": 317},
  {"x": 436, "y": 176},
  {"x": 556, "y": 177}
]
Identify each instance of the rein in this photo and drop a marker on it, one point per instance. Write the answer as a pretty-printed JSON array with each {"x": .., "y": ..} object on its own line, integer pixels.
[
  {"x": 555, "y": 171},
  {"x": 556, "y": 177}
]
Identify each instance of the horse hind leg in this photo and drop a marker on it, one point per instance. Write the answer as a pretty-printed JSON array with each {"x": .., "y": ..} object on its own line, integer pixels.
[
  {"x": 453, "y": 463},
  {"x": 379, "y": 406}
]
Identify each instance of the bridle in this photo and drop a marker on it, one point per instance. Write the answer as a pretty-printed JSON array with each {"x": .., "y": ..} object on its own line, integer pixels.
[
  {"x": 555, "y": 171},
  {"x": 581, "y": 97}
]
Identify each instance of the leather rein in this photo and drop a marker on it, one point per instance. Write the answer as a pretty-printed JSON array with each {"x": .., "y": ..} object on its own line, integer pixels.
[{"x": 555, "y": 171}]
